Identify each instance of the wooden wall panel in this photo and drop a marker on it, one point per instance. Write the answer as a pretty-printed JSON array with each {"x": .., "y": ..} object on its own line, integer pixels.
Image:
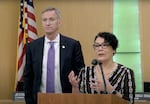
[
  {"x": 8, "y": 39},
  {"x": 145, "y": 38}
]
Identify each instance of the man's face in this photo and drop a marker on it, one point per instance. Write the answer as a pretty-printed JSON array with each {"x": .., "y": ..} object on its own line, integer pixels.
[{"x": 50, "y": 22}]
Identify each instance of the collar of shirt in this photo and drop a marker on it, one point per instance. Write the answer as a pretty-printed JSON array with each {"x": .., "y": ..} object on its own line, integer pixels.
[{"x": 56, "y": 40}]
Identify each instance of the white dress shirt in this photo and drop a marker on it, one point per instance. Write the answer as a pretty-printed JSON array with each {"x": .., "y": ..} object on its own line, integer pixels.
[{"x": 56, "y": 41}]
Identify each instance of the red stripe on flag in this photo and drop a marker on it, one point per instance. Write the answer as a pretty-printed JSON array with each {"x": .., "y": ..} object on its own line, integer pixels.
[
  {"x": 21, "y": 57},
  {"x": 30, "y": 15},
  {"x": 29, "y": 39},
  {"x": 31, "y": 28},
  {"x": 20, "y": 37}
]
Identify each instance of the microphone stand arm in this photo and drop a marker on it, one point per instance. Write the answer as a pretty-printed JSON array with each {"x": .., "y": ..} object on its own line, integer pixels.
[{"x": 104, "y": 81}]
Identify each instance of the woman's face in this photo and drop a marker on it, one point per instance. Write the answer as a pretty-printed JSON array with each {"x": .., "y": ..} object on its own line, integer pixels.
[{"x": 104, "y": 52}]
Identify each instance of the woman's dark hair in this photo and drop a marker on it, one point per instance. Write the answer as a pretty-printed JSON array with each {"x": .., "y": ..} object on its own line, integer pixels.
[{"x": 108, "y": 37}]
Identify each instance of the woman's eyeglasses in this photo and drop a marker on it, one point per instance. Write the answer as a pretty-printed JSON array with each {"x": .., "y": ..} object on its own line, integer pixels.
[{"x": 103, "y": 45}]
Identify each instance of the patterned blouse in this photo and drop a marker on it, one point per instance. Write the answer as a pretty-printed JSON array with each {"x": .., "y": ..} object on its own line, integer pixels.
[{"x": 122, "y": 79}]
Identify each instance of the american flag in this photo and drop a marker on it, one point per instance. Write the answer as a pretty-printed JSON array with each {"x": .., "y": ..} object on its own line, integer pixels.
[{"x": 26, "y": 33}]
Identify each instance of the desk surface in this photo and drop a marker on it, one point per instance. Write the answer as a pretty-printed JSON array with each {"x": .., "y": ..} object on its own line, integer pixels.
[
  {"x": 22, "y": 102},
  {"x": 11, "y": 102},
  {"x": 142, "y": 102}
]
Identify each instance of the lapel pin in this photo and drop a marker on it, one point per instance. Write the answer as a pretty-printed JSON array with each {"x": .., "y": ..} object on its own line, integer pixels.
[{"x": 63, "y": 46}]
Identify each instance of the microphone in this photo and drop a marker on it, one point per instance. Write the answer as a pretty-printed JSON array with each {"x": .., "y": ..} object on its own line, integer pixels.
[{"x": 95, "y": 62}]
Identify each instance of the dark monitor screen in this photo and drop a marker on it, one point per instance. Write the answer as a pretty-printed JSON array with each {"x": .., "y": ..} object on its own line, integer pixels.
[{"x": 146, "y": 86}]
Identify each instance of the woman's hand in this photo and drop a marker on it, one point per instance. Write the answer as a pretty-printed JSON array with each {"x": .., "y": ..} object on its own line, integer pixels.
[
  {"x": 74, "y": 82},
  {"x": 98, "y": 85},
  {"x": 73, "y": 79}
]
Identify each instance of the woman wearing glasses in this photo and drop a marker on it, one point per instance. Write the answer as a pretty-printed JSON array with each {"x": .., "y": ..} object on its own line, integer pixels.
[{"x": 119, "y": 79}]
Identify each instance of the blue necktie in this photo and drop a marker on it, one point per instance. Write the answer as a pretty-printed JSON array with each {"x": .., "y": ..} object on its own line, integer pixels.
[{"x": 50, "y": 69}]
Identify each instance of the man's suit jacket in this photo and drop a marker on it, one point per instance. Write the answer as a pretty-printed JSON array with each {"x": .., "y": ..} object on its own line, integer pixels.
[{"x": 71, "y": 58}]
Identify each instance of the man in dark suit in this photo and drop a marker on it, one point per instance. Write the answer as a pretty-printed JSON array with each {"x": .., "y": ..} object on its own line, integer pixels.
[{"x": 68, "y": 56}]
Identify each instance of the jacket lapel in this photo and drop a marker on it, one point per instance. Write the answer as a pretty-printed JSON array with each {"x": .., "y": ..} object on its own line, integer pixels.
[
  {"x": 40, "y": 48},
  {"x": 63, "y": 45}
]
